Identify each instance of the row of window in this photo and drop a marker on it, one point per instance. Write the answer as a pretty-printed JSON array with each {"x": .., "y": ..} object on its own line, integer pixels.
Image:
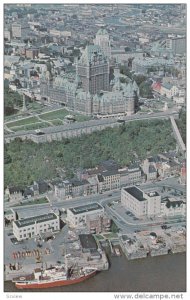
[
  {"x": 25, "y": 235},
  {"x": 32, "y": 228}
]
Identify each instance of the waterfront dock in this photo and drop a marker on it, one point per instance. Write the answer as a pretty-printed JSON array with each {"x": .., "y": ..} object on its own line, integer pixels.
[{"x": 146, "y": 243}]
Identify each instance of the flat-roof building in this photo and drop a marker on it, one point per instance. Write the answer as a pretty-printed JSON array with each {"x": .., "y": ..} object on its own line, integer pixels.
[
  {"x": 33, "y": 226},
  {"x": 141, "y": 203},
  {"x": 78, "y": 215},
  {"x": 88, "y": 242}
]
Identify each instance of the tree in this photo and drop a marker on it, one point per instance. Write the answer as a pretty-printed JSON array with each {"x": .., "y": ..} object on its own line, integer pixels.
[
  {"x": 11, "y": 99},
  {"x": 145, "y": 90},
  {"x": 125, "y": 71},
  {"x": 127, "y": 49},
  {"x": 139, "y": 79},
  {"x": 7, "y": 158}
]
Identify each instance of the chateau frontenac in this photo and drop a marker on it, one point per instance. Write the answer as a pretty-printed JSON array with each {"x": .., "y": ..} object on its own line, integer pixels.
[{"x": 91, "y": 91}]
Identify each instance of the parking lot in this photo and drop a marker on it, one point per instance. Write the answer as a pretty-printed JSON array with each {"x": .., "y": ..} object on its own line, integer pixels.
[{"x": 34, "y": 251}]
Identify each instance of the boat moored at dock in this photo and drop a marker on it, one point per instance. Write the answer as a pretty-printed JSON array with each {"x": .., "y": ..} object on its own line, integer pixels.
[{"x": 53, "y": 277}]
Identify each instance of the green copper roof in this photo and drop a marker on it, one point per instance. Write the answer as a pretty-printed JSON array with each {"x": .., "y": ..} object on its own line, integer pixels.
[{"x": 102, "y": 31}]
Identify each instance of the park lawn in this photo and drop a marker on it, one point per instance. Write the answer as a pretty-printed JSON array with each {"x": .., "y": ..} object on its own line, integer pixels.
[
  {"x": 110, "y": 235},
  {"x": 61, "y": 113},
  {"x": 37, "y": 126},
  {"x": 82, "y": 118},
  {"x": 34, "y": 105},
  {"x": 22, "y": 122},
  {"x": 31, "y": 126},
  {"x": 56, "y": 122}
]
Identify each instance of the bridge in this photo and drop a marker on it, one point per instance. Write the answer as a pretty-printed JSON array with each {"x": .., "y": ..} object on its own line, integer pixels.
[
  {"x": 57, "y": 133},
  {"x": 178, "y": 135}
]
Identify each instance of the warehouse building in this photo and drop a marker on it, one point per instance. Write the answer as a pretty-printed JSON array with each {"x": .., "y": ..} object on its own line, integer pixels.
[
  {"x": 78, "y": 215},
  {"x": 141, "y": 203},
  {"x": 33, "y": 226}
]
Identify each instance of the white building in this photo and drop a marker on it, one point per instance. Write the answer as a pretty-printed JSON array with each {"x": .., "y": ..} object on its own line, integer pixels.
[
  {"x": 33, "y": 226},
  {"x": 78, "y": 215},
  {"x": 10, "y": 215},
  {"x": 141, "y": 203},
  {"x": 169, "y": 90},
  {"x": 170, "y": 207}
]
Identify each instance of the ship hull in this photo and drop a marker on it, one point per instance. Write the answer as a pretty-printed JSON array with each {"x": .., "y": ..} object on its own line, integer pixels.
[{"x": 53, "y": 283}]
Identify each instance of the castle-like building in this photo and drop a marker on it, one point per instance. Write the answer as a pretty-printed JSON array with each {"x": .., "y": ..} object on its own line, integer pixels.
[{"x": 92, "y": 92}]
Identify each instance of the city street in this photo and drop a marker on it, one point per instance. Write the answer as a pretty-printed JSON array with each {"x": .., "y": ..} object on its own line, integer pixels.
[{"x": 111, "y": 201}]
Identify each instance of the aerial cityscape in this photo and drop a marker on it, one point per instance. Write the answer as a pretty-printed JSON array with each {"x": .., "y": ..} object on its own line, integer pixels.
[{"x": 95, "y": 147}]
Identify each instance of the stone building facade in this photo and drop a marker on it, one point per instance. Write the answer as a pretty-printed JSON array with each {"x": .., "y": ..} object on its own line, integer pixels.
[{"x": 92, "y": 92}]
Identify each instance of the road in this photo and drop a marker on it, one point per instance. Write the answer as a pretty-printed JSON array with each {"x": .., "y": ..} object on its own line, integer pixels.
[
  {"x": 124, "y": 222},
  {"x": 81, "y": 126},
  {"x": 178, "y": 135}
]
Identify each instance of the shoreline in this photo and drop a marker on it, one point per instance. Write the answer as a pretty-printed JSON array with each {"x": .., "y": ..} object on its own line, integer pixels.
[{"x": 164, "y": 273}]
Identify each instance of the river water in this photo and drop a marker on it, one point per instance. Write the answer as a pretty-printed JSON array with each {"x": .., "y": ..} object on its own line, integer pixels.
[{"x": 153, "y": 274}]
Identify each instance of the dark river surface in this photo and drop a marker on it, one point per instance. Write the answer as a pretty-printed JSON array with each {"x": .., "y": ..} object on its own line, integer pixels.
[{"x": 153, "y": 274}]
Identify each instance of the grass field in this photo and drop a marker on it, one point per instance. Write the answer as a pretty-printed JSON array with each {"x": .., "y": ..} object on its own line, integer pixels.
[
  {"x": 55, "y": 117},
  {"x": 59, "y": 114},
  {"x": 23, "y": 122},
  {"x": 31, "y": 126},
  {"x": 57, "y": 122}
]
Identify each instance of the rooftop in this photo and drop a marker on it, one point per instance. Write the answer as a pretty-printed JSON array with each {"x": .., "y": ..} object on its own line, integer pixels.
[
  {"x": 135, "y": 192},
  {"x": 85, "y": 208},
  {"x": 90, "y": 52},
  {"x": 152, "y": 194},
  {"x": 152, "y": 169},
  {"x": 102, "y": 31},
  {"x": 87, "y": 241},
  {"x": 36, "y": 219},
  {"x": 173, "y": 203}
]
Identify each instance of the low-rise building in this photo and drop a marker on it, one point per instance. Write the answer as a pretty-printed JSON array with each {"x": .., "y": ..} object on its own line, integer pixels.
[
  {"x": 141, "y": 203},
  {"x": 171, "y": 207},
  {"x": 73, "y": 188},
  {"x": 152, "y": 173},
  {"x": 171, "y": 168},
  {"x": 131, "y": 175},
  {"x": 40, "y": 187},
  {"x": 98, "y": 224},
  {"x": 148, "y": 64},
  {"x": 88, "y": 243},
  {"x": 149, "y": 169},
  {"x": 108, "y": 180},
  {"x": 10, "y": 215},
  {"x": 168, "y": 90},
  {"x": 15, "y": 193},
  {"x": 78, "y": 215},
  {"x": 31, "y": 53},
  {"x": 33, "y": 226}
]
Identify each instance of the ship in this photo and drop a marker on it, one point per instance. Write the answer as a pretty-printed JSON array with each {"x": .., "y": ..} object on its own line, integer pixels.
[{"x": 53, "y": 277}]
